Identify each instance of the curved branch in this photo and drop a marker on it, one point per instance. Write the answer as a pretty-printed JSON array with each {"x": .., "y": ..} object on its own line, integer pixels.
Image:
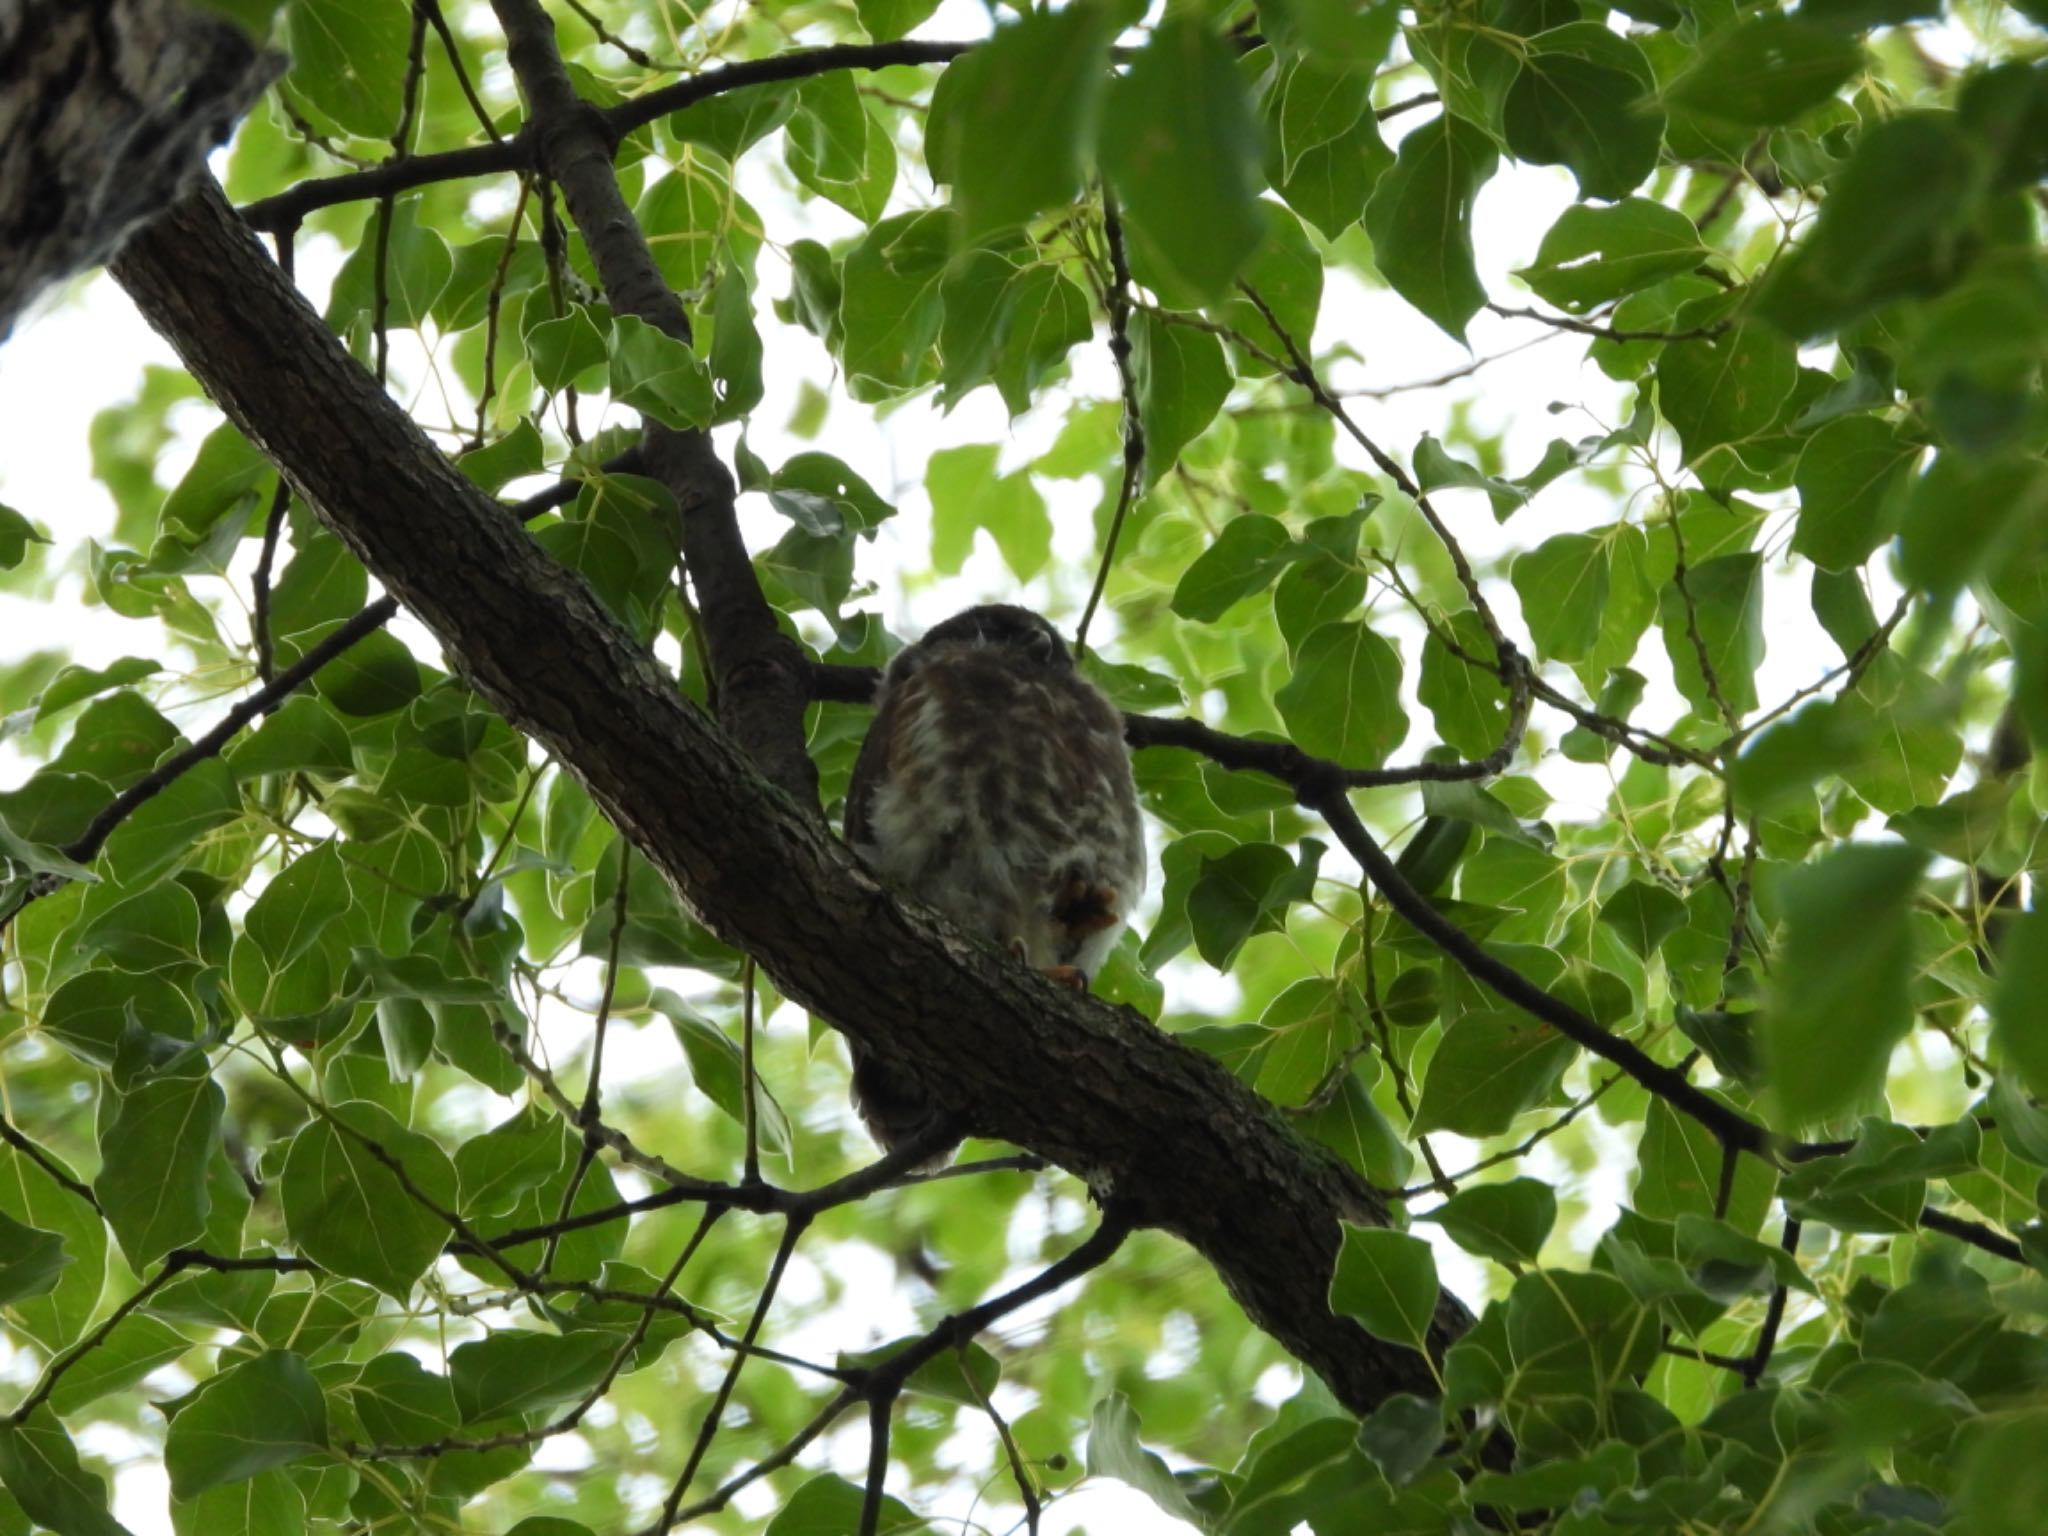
[
  {"x": 521, "y": 151},
  {"x": 760, "y": 675}
]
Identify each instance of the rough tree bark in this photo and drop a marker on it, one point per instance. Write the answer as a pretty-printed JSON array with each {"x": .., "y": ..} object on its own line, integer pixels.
[
  {"x": 1156, "y": 1126},
  {"x": 107, "y": 109}
]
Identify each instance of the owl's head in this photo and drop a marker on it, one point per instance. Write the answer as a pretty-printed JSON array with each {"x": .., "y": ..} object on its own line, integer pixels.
[{"x": 992, "y": 624}]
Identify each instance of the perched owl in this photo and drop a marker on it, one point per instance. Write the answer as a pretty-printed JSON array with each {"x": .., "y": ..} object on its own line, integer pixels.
[{"x": 994, "y": 784}]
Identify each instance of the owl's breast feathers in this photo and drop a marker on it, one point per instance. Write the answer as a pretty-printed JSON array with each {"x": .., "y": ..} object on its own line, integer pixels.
[{"x": 995, "y": 785}]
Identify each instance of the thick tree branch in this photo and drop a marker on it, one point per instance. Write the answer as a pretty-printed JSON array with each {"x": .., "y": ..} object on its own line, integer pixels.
[
  {"x": 760, "y": 675},
  {"x": 1168, "y": 1131}
]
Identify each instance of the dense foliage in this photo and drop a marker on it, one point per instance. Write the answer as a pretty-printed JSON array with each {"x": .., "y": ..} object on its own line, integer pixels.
[{"x": 388, "y": 1148}]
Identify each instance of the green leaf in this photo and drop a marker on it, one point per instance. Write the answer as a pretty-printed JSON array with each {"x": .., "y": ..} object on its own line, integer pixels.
[
  {"x": 658, "y": 375},
  {"x": 1645, "y": 915},
  {"x": 1387, "y": 1281},
  {"x": 1906, "y": 722},
  {"x": 1680, "y": 1171},
  {"x": 1420, "y": 220},
  {"x": 1491, "y": 1065},
  {"x": 828, "y": 1505},
  {"x": 968, "y": 495},
  {"x": 1506, "y": 1222},
  {"x": 268, "y": 1504},
  {"x": 348, "y": 59},
  {"x": 1182, "y": 381},
  {"x": 16, "y": 534},
  {"x": 155, "y": 931},
  {"x": 347, "y": 1209},
  {"x": 1881, "y": 1184},
  {"x": 2019, "y": 1029},
  {"x": 1765, "y": 70},
  {"x": 304, "y": 736},
  {"x": 39, "y": 1466},
  {"x": 1592, "y": 256},
  {"x": 1311, "y": 103},
  {"x": 735, "y": 347},
  {"x": 1725, "y": 389},
  {"x": 30, "y": 1261},
  {"x": 563, "y": 349},
  {"x": 1562, "y": 583},
  {"x": 1726, "y": 618},
  {"x": 1247, "y": 891},
  {"x": 1853, "y": 476},
  {"x": 154, "y": 1155},
  {"x": 423, "y": 977},
  {"x": 827, "y": 138},
  {"x": 401, "y": 1402},
  {"x": 1466, "y": 700},
  {"x": 158, "y": 833},
  {"x": 289, "y": 916},
  {"x": 75, "y": 683},
  {"x": 1839, "y": 990},
  {"x": 1578, "y": 101},
  {"x": 2002, "y": 1481},
  {"x": 1727, "y": 1265},
  {"x": 1114, "y": 1450},
  {"x": 1894, "y": 223},
  {"x": 1287, "y": 277},
  {"x": 1330, "y": 183},
  {"x": 267, "y": 1412},
  {"x": 138, "y": 1345},
  {"x": 514, "y": 1371},
  {"x": 31, "y": 1195},
  {"x": 1344, "y": 700},
  {"x": 373, "y": 677},
  {"x": 1352, "y": 1126},
  {"x": 1049, "y": 317},
  {"x": 886, "y": 20},
  {"x": 417, "y": 267},
  {"x": 892, "y": 306},
  {"x": 322, "y": 585},
  {"x": 1244, "y": 559},
  {"x": 213, "y": 499},
  {"x": 1402, "y": 1435},
  {"x": 717, "y": 1069},
  {"x": 1338, "y": 32},
  {"x": 1180, "y": 143},
  {"x": 1026, "y": 117},
  {"x": 1960, "y": 513}
]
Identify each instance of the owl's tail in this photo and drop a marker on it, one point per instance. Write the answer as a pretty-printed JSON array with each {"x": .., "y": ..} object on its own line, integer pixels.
[{"x": 893, "y": 1108}]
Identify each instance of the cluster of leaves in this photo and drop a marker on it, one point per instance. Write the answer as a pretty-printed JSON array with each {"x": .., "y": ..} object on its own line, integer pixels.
[{"x": 289, "y": 1034}]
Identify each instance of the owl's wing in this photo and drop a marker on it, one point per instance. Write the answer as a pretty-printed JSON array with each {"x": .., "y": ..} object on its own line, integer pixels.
[{"x": 869, "y": 769}]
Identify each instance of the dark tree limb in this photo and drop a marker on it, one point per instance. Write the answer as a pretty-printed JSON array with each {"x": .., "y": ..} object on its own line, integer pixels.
[
  {"x": 1169, "y": 1132},
  {"x": 106, "y": 112},
  {"x": 760, "y": 676}
]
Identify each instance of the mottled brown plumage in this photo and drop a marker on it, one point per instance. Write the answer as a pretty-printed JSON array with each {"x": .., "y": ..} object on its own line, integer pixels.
[{"x": 994, "y": 784}]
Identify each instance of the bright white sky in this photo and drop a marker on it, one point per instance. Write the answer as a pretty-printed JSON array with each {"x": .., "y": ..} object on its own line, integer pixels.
[{"x": 82, "y": 350}]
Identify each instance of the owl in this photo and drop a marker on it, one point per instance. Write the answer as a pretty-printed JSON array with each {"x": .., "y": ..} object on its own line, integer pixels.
[{"x": 995, "y": 785}]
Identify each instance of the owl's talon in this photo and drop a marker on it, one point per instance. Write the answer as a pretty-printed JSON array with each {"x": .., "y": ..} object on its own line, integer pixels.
[
  {"x": 1019, "y": 951},
  {"x": 1068, "y": 976}
]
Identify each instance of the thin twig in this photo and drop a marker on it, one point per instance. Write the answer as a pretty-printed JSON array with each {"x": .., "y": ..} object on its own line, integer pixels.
[
  {"x": 259, "y": 621},
  {"x": 1118, "y": 301},
  {"x": 793, "y": 1229},
  {"x": 1605, "y": 332},
  {"x": 449, "y": 46}
]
